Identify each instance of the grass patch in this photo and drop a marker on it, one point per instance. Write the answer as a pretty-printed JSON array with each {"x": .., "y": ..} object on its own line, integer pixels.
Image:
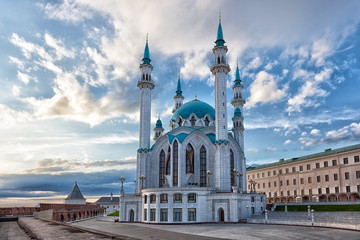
[
  {"x": 320, "y": 208},
  {"x": 116, "y": 214}
]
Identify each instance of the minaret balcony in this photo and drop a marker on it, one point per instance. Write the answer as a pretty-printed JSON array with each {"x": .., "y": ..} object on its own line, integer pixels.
[
  {"x": 237, "y": 101},
  {"x": 146, "y": 84},
  {"x": 220, "y": 68}
]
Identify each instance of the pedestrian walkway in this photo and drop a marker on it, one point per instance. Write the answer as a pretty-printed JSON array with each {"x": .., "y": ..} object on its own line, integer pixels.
[{"x": 12, "y": 230}]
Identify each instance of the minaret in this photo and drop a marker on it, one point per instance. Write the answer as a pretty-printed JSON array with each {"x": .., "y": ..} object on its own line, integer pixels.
[
  {"x": 146, "y": 85},
  {"x": 178, "y": 97},
  {"x": 220, "y": 70},
  {"x": 238, "y": 103},
  {"x": 158, "y": 130}
]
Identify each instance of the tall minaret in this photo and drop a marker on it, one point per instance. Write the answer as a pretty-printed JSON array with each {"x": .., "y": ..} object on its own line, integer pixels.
[
  {"x": 146, "y": 85},
  {"x": 178, "y": 97},
  {"x": 220, "y": 70},
  {"x": 238, "y": 103}
]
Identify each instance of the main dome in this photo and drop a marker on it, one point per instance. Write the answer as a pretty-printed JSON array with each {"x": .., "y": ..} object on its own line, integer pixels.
[{"x": 199, "y": 108}]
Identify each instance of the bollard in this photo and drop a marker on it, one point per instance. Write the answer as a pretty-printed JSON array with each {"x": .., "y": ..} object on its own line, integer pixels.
[
  {"x": 285, "y": 208},
  {"x": 266, "y": 215},
  {"x": 312, "y": 215},
  {"x": 308, "y": 207}
]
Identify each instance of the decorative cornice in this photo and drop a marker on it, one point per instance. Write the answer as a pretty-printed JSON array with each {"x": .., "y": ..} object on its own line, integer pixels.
[
  {"x": 146, "y": 84},
  {"x": 145, "y": 150}
]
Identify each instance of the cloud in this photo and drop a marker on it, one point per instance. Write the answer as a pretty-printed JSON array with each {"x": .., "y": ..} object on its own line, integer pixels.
[
  {"x": 255, "y": 150},
  {"x": 287, "y": 142},
  {"x": 264, "y": 89},
  {"x": 271, "y": 149},
  {"x": 315, "y": 132}
]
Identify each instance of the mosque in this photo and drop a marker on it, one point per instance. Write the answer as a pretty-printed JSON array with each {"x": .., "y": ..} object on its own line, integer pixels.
[{"x": 196, "y": 172}]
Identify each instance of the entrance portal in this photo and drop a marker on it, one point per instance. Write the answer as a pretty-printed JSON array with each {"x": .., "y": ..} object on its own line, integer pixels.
[
  {"x": 131, "y": 215},
  {"x": 221, "y": 215}
]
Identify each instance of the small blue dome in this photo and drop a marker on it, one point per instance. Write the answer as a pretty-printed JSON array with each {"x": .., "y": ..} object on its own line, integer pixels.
[
  {"x": 199, "y": 108},
  {"x": 237, "y": 113},
  {"x": 159, "y": 124}
]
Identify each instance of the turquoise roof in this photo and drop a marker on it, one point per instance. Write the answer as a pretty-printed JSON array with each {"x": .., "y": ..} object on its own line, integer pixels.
[
  {"x": 158, "y": 124},
  {"x": 237, "y": 77},
  {"x": 182, "y": 136},
  {"x": 237, "y": 112},
  {"x": 178, "y": 90},
  {"x": 199, "y": 108},
  {"x": 220, "y": 39},
  {"x": 146, "y": 59}
]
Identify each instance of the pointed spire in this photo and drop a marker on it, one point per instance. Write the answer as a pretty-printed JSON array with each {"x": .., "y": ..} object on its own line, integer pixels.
[
  {"x": 220, "y": 39},
  {"x": 178, "y": 89},
  {"x": 146, "y": 59},
  {"x": 195, "y": 94},
  {"x": 237, "y": 75}
]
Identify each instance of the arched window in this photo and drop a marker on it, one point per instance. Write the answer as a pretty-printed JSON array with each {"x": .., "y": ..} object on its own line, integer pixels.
[
  {"x": 192, "y": 198},
  {"x": 143, "y": 77},
  {"x": 222, "y": 59},
  {"x": 189, "y": 159},
  {"x": 145, "y": 199},
  {"x": 163, "y": 198},
  {"x": 147, "y": 77},
  {"x": 232, "y": 167},
  {"x": 193, "y": 120},
  {"x": 206, "y": 121},
  {"x": 175, "y": 163},
  {"x": 167, "y": 170},
  {"x": 202, "y": 167},
  {"x": 153, "y": 198},
  {"x": 162, "y": 169},
  {"x": 179, "y": 122},
  {"x": 218, "y": 60}
]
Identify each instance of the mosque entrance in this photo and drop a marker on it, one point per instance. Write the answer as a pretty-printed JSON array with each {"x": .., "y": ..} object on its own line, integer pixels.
[
  {"x": 221, "y": 215},
  {"x": 131, "y": 215}
]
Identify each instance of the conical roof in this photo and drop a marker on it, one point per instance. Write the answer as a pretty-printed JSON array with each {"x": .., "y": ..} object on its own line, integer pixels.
[{"x": 75, "y": 193}]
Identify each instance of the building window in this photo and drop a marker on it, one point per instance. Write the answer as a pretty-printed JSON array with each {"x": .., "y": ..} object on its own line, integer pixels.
[
  {"x": 356, "y": 159},
  {"x": 202, "y": 167},
  {"x": 335, "y": 176},
  {"x": 326, "y": 178},
  {"x": 294, "y": 181},
  {"x": 281, "y": 193},
  {"x": 262, "y": 174},
  {"x": 294, "y": 169},
  {"x": 259, "y": 185},
  {"x": 308, "y": 167},
  {"x": 336, "y": 189},
  {"x": 163, "y": 214},
  {"x": 281, "y": 183},
  {"x": 301, "y": 168},
  {"x": 175, "y": 163},
  {"x": 302, "y": 192},
  {"x": 274, "y": 172},
  {"x": 275, "y": 194},
  {"x": 317, "y": 165},
  {"x": 191, "y": 214},
  {"x": 295, "y": 192},
  {"x": 268, "y": 173},
  {"x": 347, "y": 176},
  {"x": 319, "y": 190},
  {"x": 163, "y": 198},
  {"x": 193, "y": 120},
  {"x": 346, "y": 160},
  {"x": 145, "y": 214},
  {"x": 318, "y": 179},
  {"x": 274, "y": 183},
  {"x": 145, "y": 199},
  {"x": 153, "y": 198},
  {"x": 327, "y": 190},
  {"x": 358, "y": 188},
  {"x": 162, "y": 169},
  {"x": 287, "y": 170},
  {"x": 269, "y": 194},
  {"x": 252, "y": 199},
  {"x": 334, "y": 163},
  {"x": 309, "y": 179},
  {"x": 301, "y": 181},
  {"x": 263, "y": 185},
  {"x": 347, "y": 189},
  {"x": 257, "y": 175},
  {"x": 310, "y": 191},
  {"x": 167, "y": 172},
  {"x": 177, "y": 198},
  {"x": 288, "y": 192},
  {"x": 232, "y": 166},
  {"x": 269, "y": 184},
  {"x": 192, "y": 198},
  {"x": 357, "y": 174},
  {"x": 326, "y": 164},
  {"x": 177, "y": 214},
  {"x": 287, "y": 182},
  {"x": 152, "y": 214},
  {"x": 189, "y": 159},
  {"x": 280, "y": 171}
]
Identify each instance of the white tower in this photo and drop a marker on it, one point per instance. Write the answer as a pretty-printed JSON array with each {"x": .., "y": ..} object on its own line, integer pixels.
[
  {"x": 220, "y": 70},
  {"x": 179, "y": 98},
  {"x": 146, "y": 85},
  {"x": 158, "y": 130}
]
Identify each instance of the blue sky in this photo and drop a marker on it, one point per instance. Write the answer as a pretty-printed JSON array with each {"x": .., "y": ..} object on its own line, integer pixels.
[{"x": 69, "y": 101}]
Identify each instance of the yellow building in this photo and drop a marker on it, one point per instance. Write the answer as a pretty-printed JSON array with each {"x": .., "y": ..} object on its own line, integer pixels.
[{"x": 332, "y": 175}]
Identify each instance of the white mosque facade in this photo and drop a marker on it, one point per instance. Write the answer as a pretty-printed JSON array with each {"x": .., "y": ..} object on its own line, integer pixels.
[{"x": 196, "y": 172}]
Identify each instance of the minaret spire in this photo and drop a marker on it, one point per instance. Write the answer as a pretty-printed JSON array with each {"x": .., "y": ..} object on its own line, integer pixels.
[
  {"x": 219, "y": 39},
  {"x": 179, "y": 98}
]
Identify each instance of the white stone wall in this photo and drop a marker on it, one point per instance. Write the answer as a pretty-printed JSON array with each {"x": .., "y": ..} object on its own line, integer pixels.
[
  {"x": 221, "y": 106},
  {"x": 145, "y": 117}
]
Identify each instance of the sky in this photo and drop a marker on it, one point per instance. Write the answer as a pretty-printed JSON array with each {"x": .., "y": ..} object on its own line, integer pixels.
[{"x": 69, "y": 104}]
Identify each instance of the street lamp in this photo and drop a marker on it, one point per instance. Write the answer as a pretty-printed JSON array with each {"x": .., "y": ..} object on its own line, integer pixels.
[
  {"x": 208, "y": 174},
  {"x": 122, "y": 179},
  {"x": 142, "y": 178},
  {"x": 114, "y": 212}
]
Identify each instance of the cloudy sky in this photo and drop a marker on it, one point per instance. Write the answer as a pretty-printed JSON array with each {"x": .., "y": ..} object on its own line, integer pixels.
[{"x": 69, "y": 68}]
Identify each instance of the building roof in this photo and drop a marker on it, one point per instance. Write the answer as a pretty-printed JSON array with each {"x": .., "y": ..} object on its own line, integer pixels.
[
  {"x": 75, "y": 193},
  {"x": 327, "y": 152},
  {"x": 199, "y": 108},
  {"x": 158, "y": 124},
  {"x": 146, "y": 59},
  {"x": 237, "y": 112},
  {"x": 237, "y": 77},
  {"x": 178, "y": 89},
  {"x": 108, "y": 200},
  {"x": 220, "y": 39}
]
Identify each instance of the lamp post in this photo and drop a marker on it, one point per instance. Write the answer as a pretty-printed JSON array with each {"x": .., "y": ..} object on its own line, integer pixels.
[
  {"x": 208, "y": 174},
  {"x": 142, "y": 178},
  {"x": 122, "y": 179},
  {"x": 308, "y": 208},
  {"x": 247, "y": 211},
  {"x": 114, "y": 213}
]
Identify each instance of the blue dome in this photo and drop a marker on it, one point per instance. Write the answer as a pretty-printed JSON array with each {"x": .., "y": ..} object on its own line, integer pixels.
[
  {"x": 199, "y": 108},
  {"x": 159, "y": 124},
  {"x": 237, "y": 112}
]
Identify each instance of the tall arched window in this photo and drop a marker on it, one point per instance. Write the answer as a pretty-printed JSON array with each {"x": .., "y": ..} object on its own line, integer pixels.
[
  {"x": 175, "y": 163},
  {"x": 147, "y": 77},
  {"x": 167, "y": 166},
  {"x": 232, "y": 167},
  {"x": 189, "y": 159},
  {"x": 202, "y": 167},
  {"x": 162, "y": 169},
  {"x": 193, "y": 121},
  {"x": 206, "y": 121}
]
